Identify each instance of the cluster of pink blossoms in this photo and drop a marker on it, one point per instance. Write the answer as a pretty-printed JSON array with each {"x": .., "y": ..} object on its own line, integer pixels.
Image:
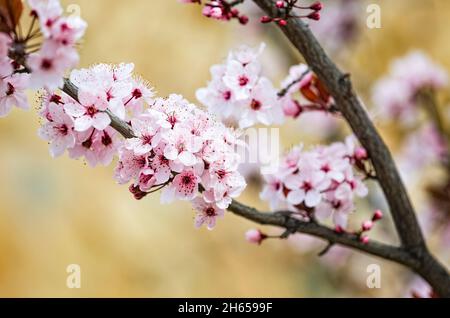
[
  {"x": 421, "y": 149},
  {"x": 238, "y": 94},
  {"x": 321, "y": 182},
  {"x": 395, "y": 95},
  {"x": 82, "y": 127},
  {"x": 176, "y": 147},
  {"x": 180, "y": 149},
  {"x": 25, "y": 63}
]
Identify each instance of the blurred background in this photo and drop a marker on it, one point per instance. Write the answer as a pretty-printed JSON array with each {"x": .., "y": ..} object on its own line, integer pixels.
[{"x": 59, "y": 212}]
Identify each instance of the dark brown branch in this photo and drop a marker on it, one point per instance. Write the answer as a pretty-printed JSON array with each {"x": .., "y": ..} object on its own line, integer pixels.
[
  {"x": 283, "y": 220},
  {"x": 340, "y": 87}
]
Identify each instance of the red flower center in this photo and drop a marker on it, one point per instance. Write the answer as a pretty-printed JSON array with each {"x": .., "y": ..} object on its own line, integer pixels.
[
  {"x": 227, "y": 95},
  {"x": 307, "y": 186},
  {"x": 210, "y": 211},
  {"x": 46, "y": 64},
  {"x": 255, "y": 104},
  {"x": 186, "y": 180},
  {"x": 243, "y": 80},
  {"x": 63, "y": 130},
  {"x": 106, "y": 139},
  {"x": 10, "y": 90},
  {"x": 91, "y": 110}
]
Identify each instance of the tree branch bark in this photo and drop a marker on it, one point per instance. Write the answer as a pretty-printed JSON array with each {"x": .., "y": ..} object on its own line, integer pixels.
[
  {"x": 340, "y": 87},
  {"x": 293, "y": 225}
]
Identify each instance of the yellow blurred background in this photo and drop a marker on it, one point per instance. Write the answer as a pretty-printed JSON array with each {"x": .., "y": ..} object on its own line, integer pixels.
[{"x": 59, "y": 212}]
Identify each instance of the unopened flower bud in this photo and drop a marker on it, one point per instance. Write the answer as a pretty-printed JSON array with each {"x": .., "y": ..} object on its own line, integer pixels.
[
  {"x": 279, "y": 4},
  {"x": 243, "y": 19},
  {"x": 265, "y": 19},
  {"x": 339, "y": 229},
  {"x": 282, "y": 22},
  {"x": 364, "y": 239},
  {"x": 314, "y": 16},
  {"x": 255, "y": 236},
  {"x": 360, "y": 153},
  {"x": 378, "y": 215},
  {"x": 367, "y": 225},
  {"x": 317, "y": 6}
]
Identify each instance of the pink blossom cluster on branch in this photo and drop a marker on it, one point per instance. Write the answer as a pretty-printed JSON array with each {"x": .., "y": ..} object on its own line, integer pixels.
[
  {"x": 82, "y": 127},
  {"x": 177, "y": 147},
  {"x": 239, "y": 94},
  {"x": 321, "y": 182},
  {"x": 396, "y": 94},
  {"x": 40, "y": 58}
]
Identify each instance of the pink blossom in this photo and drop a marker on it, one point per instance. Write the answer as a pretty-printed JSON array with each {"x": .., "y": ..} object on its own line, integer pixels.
[
  {"x": 183, "y": 187},
  {"x": 148, "y": 135},
  {"x": 58, "y": 131},
  {"x": 241, "y": 78},
  {"x": 130, "y": 166},
  {"x": 114, "y": 81},
  {"x": 66, "y": 31},
  {"x": 207, "y": 213},
  {"x": 322, "y": 181},
  {"x": 272, "y": 191},
  {"x": 89, "y": 112},
  {"x": 395, "y": 95},
  {"x": 49, "y": 65},
  {"x": 262, "y": 106},
  {"x": 307, "y": 188},
  {"x": 181, "y": 147},
  {"x": 12, "y": 93},
  {"x": 105, "y": 145},
  {"x": 238, "y": 94}
]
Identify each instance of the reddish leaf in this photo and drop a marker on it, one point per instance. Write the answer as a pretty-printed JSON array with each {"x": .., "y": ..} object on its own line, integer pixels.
[{"x": 10, "y": 13}]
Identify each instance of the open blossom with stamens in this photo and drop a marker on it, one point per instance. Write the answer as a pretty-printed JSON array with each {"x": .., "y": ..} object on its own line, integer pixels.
[
  {"x": 207, "y": 213},
  {"x": 100, "y": 88},
  {"x": 58, "y": 130},
  {"x": 89, "y": 111},
  {"x": 238, "y": 94},
  {"x": 322, "y": 182},
  {"x": 12, "y": 93},
  {"x": 116, "y": 83}
]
